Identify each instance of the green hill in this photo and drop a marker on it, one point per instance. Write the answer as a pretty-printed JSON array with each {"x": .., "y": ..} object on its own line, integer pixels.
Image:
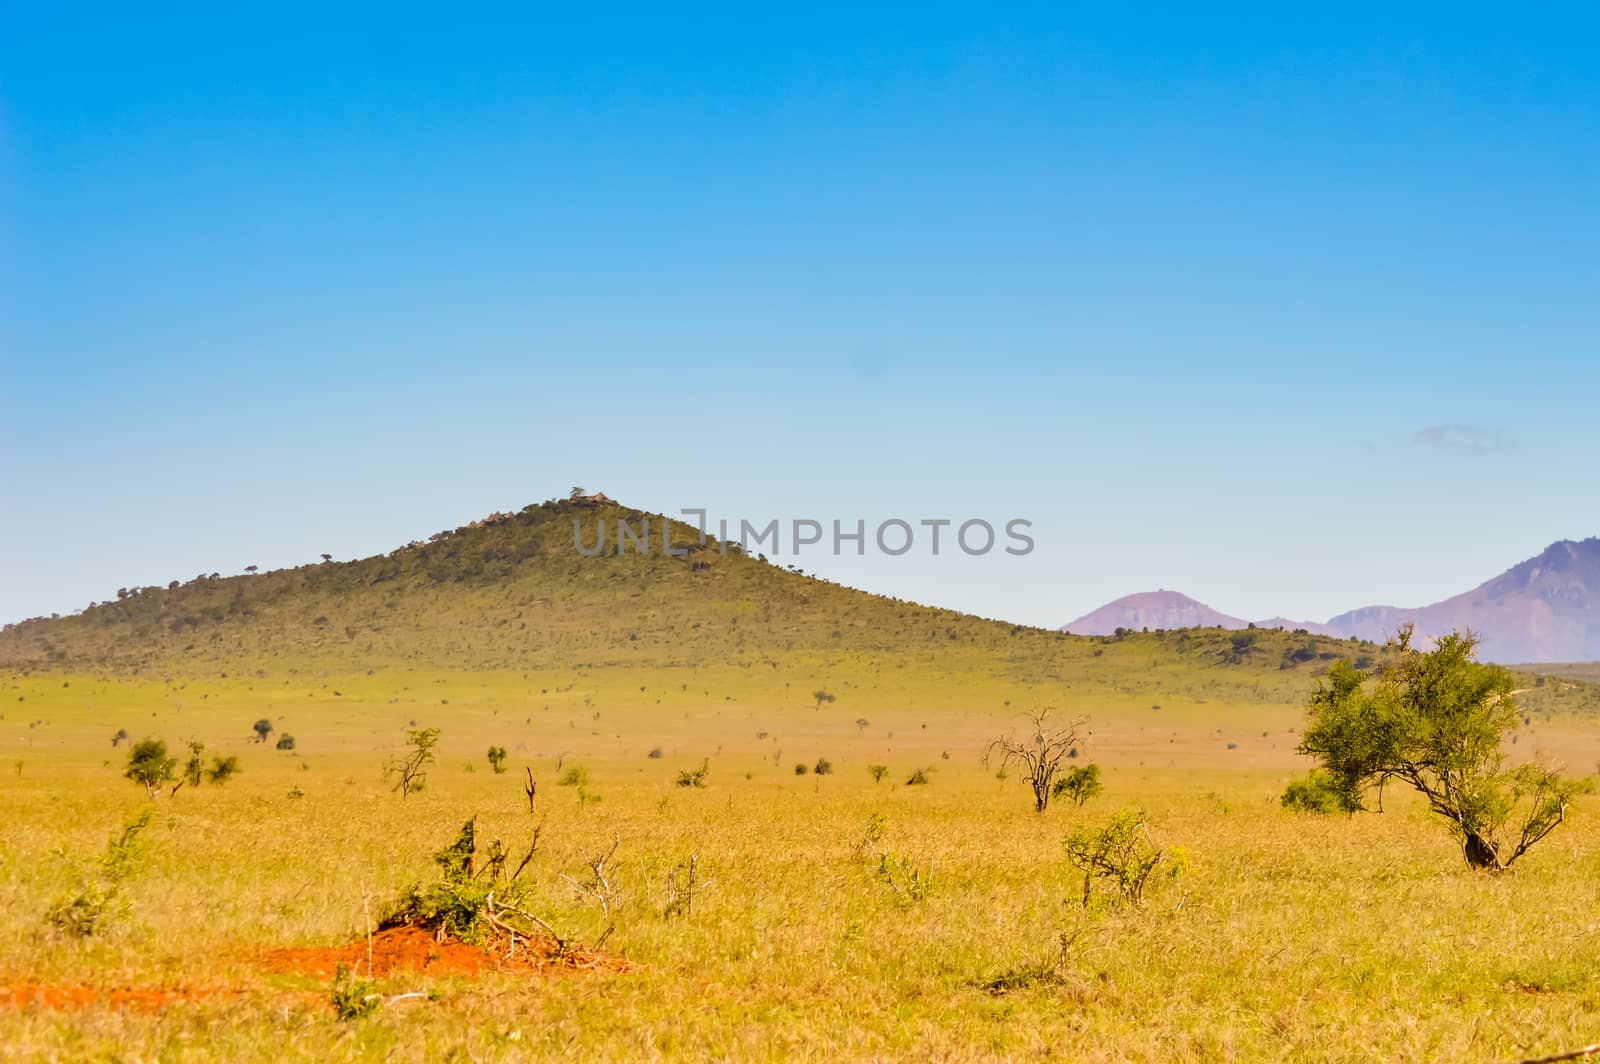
[{"x": 513, "y": 592}]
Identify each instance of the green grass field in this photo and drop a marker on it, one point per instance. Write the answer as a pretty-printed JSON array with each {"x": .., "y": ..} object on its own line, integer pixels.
[{"x": 1285, "y": 937}]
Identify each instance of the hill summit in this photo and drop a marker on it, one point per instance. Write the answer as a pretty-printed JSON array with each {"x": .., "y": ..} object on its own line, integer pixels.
[{"x": 1155, "y": 610}]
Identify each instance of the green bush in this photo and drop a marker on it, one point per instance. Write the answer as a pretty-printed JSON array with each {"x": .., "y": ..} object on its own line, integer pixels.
[
  {"x": 99, "y": 898},
  {"x": 223, "y": 769},
  {"x": 352, "y": 997},
  {"x": 1122, "y": 854},
  {"x": 1080, "y": 783},
  {"x": 456, "y": 904},
  {"x": 1319, "y": 792}
]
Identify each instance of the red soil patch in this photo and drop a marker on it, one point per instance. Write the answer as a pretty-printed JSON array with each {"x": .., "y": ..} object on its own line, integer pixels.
[
  {"x": 413, "y": 949},
  {"x": 398, "y": 949},
  {"x": 45, "y": 996}
]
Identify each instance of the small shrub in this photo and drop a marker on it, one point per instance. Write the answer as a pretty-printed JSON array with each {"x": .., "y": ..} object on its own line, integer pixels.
[
  {"x": 194, "y": 771},
  {"x": 1319, "y": 792},
  {"x": 222, "y": 769},
  {"x": 863, "y": 847},
  {"x": 573, "y": 776},
  {"x": 695, "y": 777},
  {"x": 919, "y": 778},
  {"x": 909, "y": 883},
  {"x": 801, "y": 769},
  {"x": 1123, "y": 854},
  {"x": 877, "y": 772},
  {"x": 457, "y": 904},
  {"x": 99, "y": 898},
  {"x": 1053, "y": 970},
  {"x": 353, "y": 998},
  {"x": 497, "y": 759},
  {"x": 824, "y": 767},
  {"x": 285, "y": 741},
  {"x": 1080, "y": 783},
  {"x": 683, "y": 881},
  {"x": 655, "y": 754}
]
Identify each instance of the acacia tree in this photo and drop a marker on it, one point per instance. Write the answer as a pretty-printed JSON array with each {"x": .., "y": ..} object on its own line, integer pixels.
[
  {"x": 409, "y": 772},
  {"x": 1041, "y": 752},
  {"x": 150, "y": 766},
  {"x": 1435, "y": 720}
]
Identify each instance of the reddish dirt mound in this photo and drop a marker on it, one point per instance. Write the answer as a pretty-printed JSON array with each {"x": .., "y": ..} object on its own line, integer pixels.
[{"x": 413, "y": 949}]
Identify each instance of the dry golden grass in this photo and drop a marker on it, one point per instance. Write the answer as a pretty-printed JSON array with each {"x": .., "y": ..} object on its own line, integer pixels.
[{"x": 1287, "y": 937}]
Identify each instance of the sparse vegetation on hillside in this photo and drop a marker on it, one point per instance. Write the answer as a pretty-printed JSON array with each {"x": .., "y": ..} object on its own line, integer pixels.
[{"x": 512, "y": 591}]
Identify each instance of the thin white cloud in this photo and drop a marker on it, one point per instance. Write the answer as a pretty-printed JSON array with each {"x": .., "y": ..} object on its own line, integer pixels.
[{"x": 1462, "y": 439}]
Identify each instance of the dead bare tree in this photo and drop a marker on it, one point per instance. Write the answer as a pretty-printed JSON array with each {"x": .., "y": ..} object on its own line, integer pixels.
[
  {"x": 599, "y": 888},
  {"x": 1041, "y": 752},
  {"x": 681, "y": 892}
]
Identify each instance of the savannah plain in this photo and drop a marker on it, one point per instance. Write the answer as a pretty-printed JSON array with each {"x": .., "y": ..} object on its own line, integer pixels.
[{"x": 1268, "y": 935}]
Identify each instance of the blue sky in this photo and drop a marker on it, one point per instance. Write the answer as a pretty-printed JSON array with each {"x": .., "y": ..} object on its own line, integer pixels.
[{"x": 1292, "y": 311}]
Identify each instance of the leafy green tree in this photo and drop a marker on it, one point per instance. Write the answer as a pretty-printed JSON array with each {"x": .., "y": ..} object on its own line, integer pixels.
[
  {"x": 150, "y": 765},
  {"x": 497, "y": 759},
  {"x": 822, "y": 695},
  {"x": 1435, "y": 721},
  {"x": 263, "y": 728}
]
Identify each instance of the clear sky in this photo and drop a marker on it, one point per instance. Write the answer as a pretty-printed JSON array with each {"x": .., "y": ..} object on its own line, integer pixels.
[{"x": 1291, "y": 310}]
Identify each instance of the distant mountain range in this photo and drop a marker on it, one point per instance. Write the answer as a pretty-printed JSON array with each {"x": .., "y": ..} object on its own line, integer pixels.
[{"x": 1542, "y": 610}]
